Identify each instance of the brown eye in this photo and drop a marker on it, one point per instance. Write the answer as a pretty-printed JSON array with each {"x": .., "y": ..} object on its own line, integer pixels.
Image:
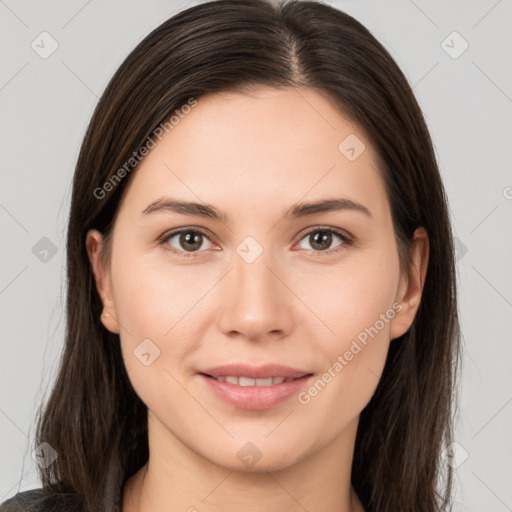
[
  {"x": 186, "y": 240},
  {"x": 321, "y": 239}
]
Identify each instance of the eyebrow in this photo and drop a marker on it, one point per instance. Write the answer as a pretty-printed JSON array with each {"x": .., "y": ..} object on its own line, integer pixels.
[{"x": 166, "y": 204}]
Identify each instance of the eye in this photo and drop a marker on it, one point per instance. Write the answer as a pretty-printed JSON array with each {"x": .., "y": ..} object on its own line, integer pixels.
[
  {"x": 186, "y": 241},
  {"x": 320, "y": 239}
]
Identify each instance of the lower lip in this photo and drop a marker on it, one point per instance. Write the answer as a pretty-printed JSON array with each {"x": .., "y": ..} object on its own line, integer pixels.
[{"x": 255, "y": 398}]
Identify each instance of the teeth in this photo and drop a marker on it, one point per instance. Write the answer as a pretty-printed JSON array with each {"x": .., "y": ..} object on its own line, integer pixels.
[{"x": 246, "y": 381}]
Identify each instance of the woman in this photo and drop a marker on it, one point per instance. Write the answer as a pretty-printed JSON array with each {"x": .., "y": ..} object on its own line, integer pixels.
[{"x": 261, "y": 296}]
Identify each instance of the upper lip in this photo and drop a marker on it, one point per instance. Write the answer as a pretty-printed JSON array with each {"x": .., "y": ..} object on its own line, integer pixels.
[{"x": 254, "y": 372}]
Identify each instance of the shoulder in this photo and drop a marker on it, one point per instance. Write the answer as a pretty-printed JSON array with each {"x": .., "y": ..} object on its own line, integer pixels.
[{"x": 39, "y": 500}]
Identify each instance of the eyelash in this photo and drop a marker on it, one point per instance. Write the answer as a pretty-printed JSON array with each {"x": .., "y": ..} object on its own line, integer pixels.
[{"x": 343, "y": 235}]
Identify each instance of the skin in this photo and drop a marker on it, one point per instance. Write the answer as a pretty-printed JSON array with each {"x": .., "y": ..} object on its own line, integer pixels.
[{"x": 253, "y": 156}]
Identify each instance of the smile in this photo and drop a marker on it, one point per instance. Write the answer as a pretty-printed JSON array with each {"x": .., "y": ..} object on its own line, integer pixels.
[{"x": 246, "y": 381}]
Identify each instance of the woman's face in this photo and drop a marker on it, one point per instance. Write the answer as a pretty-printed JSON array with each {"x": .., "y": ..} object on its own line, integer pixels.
[{"x": 265, "y": 283}]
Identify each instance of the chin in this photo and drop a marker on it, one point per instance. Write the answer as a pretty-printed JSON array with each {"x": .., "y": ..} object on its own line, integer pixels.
[{"x": 254, "y": 457}]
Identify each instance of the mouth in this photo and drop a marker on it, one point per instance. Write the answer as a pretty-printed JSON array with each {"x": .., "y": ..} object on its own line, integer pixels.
[
  {"x": 251, "y": 388},
  {"x": 246, "y": 373},
  {"x": 247, "y": 381}
]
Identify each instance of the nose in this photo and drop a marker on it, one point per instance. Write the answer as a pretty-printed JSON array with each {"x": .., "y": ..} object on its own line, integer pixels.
[{"x": 256, "y": 302}]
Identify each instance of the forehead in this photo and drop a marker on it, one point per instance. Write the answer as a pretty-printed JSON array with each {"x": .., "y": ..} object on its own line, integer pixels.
[{"x": 253, "y": 150}]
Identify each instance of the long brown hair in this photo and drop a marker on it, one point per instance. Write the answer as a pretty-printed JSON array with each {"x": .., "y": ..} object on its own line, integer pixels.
[{"x": 93, "y": 418}]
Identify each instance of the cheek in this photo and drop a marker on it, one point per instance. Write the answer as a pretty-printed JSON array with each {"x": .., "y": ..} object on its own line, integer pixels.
[
  {"x": 356, "y": 304},
  {"x": 157, "y": 308},
  {"x": 152, "y": 299},
  {"x": 354, "y": 359},
  {"x": 351, "y": 296}
]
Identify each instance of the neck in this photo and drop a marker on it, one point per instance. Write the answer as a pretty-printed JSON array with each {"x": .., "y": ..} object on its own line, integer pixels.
[{"x": 178, "y": 479}]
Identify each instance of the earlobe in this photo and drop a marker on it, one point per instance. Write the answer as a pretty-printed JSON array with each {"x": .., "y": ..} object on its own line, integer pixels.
[
  {"x": 109, "y": 321},
  {"x": 411, "y": 287},
  {"x": 94, "y": 240}
]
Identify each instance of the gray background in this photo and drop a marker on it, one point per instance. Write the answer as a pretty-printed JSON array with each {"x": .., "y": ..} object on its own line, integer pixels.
[{"x": 467, "y": 101}]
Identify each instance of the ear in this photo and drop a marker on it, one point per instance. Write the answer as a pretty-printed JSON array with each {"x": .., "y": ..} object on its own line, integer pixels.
[
  {"x": 410, "y": 288},
  {"x": 94, "y": 240}
]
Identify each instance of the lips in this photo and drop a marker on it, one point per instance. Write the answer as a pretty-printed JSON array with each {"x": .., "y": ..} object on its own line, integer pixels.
[{"x": 254, "y": 388}]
